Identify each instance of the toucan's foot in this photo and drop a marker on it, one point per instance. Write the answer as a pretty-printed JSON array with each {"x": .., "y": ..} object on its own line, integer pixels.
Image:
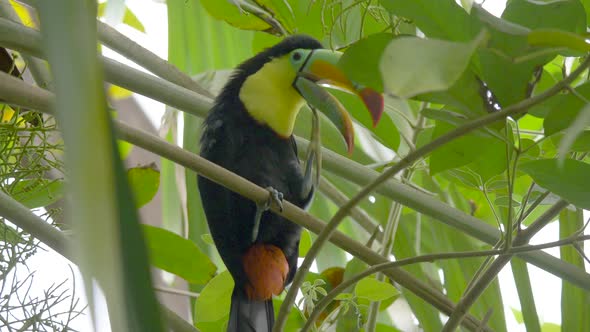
[{"x": 274, "y": 197}]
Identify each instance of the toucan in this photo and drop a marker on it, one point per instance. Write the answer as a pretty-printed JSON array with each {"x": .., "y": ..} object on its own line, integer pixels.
[{"x": 249, "y": 131}]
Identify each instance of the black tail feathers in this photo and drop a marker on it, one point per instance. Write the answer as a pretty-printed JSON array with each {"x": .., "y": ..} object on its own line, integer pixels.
[{"x": 250, "y": 315}]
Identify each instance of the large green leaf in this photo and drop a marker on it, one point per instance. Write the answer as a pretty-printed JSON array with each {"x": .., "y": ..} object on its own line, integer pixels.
[
  {"x": 464, "y": 95},
  {"x": 177, "y": 255},
  {"x": 443, "y": 19},
  {"x": 508, "y": 53},
  {"x": 558, "y": 38},
  {"x": 361, "y": 60},
  {"x": 111, "y": 247},
  {"x": 580, "y": 144},
  {"x": 569, "y": 181},
  {"x": 564, "y": 107},
  {"x": 567, "y": 15},
  {"x": 213, "y": 303},
  {"x": 375, "y": 290},
  {"x": 487, "y": 154},
  {"x": 580, "y": 123},
  {"x": 411, "y": 65}
]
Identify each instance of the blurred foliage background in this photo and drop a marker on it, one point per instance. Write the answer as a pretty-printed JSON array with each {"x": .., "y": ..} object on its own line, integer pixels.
[{"x": 485, "y": 140}]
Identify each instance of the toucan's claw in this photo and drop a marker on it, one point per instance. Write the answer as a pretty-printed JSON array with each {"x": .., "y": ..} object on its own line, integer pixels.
[{"x": 274, "y": 197}]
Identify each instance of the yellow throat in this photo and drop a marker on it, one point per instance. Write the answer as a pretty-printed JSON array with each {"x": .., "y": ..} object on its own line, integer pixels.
[{"x": 270, "y": 98}]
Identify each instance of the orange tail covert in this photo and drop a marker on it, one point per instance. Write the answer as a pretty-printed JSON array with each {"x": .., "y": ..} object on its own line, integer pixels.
[{"x": 267, "y": 268}]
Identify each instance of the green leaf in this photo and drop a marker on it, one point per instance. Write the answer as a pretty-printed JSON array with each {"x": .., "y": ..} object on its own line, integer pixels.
[
  {"x": 574, "y": 301},
  {"x": 464, "y": 95},
  {"x": 109, "y": 243},
  {"x": 34, "y": 193},
  {"x": 564, "y": 109},
  {"x": 581, "y": 122},
  {"x": 571, "y": 181},
  {"x": 361, "y": 60},
  {"x": 561, "y": 109},
  {"x": 558, "y": 38},
  {"x": 581, "y": 144},
  {"x": 177, "y": 255},
  {"x": 411, "y": 65},
  {"x": 214, "y": 301},
  {"x": 227, "y": 11},
  {"x": 375, "y": 290},
  {"x": 567, "y": 15},
  {"x": 443, "y": 19},
  {"x": 487, "y": 154},
  {"x": 508, "y": 53},
  {"x": 144, "y": 182}
]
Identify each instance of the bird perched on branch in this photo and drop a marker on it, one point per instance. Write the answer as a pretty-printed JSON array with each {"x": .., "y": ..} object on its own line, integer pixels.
[{"x": 249, "y": 132}]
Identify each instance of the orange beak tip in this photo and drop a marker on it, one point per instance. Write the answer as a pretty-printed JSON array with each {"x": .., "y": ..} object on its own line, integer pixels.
[{"x": 373, "y": 100}]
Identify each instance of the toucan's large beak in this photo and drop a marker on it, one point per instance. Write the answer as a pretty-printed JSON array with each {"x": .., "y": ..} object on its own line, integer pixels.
[{"x": 320, "y": 68}]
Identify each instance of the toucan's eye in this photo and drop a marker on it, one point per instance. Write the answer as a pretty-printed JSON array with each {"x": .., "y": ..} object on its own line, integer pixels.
[{"x": 296, "y": 56}]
